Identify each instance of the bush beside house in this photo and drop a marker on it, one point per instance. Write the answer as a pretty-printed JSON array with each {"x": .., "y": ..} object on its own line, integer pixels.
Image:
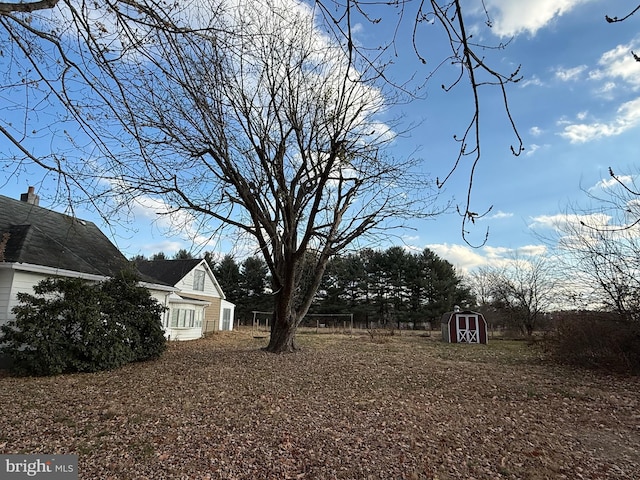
[{"x": 71, "y": 325}]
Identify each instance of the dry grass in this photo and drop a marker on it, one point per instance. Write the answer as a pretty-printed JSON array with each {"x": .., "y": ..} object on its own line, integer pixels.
[{"x": 344, "y": 407}]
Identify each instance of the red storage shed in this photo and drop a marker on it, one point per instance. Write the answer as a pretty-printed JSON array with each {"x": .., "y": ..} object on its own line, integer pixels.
[{"x": 464, "y": 327}]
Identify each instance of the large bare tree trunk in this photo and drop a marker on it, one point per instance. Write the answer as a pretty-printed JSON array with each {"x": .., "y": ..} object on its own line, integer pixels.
[
  {"x": 283, "y": 336},
  {"x": 285, "y": 320}
]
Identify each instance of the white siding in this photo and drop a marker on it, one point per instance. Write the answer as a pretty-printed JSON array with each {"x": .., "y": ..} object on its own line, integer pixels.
[
  {"x": 6, "y": 279},
  {"x": 227, "y": 308},
  {"x": 186, "y": 283},
  {"x": 163, "y": 299},
  {"x": 14, "y": 281},
  {"x": 183, "y": 333},
  {"x": 174, "y": 302},
  {"x": 18, "y": 282}
]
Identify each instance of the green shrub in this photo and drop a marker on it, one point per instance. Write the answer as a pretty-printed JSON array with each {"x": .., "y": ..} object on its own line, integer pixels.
[
  {"x": 131, "y": 305},
  {"x": 71, "y": 325},
  {"x": 597, "y": 342}
]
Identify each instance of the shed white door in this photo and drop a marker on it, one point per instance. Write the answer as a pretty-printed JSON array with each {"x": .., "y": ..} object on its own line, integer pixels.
[{"x": 468, "y": 329}]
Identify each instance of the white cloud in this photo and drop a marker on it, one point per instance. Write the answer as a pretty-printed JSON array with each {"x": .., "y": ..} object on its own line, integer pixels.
[
  {"x": 575, "y": 232},
  {"x": 606, "y": 183},
  {"x": 535, "y": 131},
  {"x": 563, "y": 222},
  {"x": 534, "y": 80},
  {"x": 467, "y": 258},
  {"x": 497, "y": 253},
  {"x": 628, "y": 116},
  {"x": 168, "y": 247},
  {"x": 531, "y": 250},
  {"x": 183, "y": 229},
  {"x": 619, "y": 64},
  {"x": 460, "y": 256},
  {"x": 570, "y": 74},
  {"x": 607, "y": 89},
  {"x": 498, "y": 215},
  {"x": 526, "y": 16},
  {"x": 532, "y": 149}
]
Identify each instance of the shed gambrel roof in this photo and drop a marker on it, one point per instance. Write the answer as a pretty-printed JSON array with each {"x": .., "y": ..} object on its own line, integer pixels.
[{"x": 38, "y": 236}]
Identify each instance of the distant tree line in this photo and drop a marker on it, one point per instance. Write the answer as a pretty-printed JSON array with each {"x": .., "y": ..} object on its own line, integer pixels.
[
  {"x": 393, "y": 288},
  {"x": 181, "y": 254}
]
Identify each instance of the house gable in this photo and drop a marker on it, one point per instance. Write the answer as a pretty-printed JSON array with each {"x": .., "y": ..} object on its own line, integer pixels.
[
  {"x": 182, "y": 275},
  {"x": 200, "y": 281},
  {"x": 194, "y": 279}
]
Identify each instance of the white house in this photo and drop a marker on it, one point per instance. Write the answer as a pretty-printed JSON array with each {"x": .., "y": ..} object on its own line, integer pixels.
[
  {"x": 194, "y": 282},
  {"x": 36, "y": 243}
]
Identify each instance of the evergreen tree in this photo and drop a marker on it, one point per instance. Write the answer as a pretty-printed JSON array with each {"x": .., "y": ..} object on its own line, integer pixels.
[
  {"x": 391, "y": 287},
  {"x": 254, "y": 276},
  {"x": 253, "y": 296},
  {"x": 182, "y": 254},
  {"x": 227, "y": 272}
]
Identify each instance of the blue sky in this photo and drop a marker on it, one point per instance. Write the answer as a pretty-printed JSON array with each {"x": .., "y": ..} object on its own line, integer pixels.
[{"x": 577, "y": 109}]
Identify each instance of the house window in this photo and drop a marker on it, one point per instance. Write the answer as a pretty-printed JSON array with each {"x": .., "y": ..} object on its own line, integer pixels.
[
  {"x": 198, "y": 280},
  {"x": 185, "y": 318}
]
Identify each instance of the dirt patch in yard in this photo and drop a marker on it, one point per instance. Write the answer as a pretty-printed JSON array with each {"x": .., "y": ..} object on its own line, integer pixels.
[{"x": 343, "y": 407}]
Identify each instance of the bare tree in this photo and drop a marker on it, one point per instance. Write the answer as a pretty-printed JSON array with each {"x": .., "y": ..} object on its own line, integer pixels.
[
  {"x": 264, "y": 126},
  {"x": 60, "y": 47},
  {"x": 57, "y": 57},
  {"x": 600, "y": 246},
  {"x": 54, "y": 53},
  {"x": 229, "y": 122},
  {"x": 523, "y": 290},
  {"x": 480, "y": 282},
  {"x": 27, "y": 7}
]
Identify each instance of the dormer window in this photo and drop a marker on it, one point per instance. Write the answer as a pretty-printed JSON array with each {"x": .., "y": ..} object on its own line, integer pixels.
[{"x": 198, "y": 280}]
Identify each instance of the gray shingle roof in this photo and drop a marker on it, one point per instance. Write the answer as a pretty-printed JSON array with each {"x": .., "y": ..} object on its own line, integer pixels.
[
  {"x": 167, "y": 271},
  {"x": 40, "y": 236}
]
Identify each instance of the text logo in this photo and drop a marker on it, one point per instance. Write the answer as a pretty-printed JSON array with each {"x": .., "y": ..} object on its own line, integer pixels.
[{"x": 50, "y": 467}]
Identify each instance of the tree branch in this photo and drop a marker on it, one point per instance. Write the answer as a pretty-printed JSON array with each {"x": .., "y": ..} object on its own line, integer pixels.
[{"x": 22, "y": 7}]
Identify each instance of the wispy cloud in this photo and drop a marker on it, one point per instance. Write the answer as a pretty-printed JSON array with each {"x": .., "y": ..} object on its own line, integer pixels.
[
  {"x": 183, "y": 228},
  {"x": 618, "y": 64},
  {"x": 467, "y": 258},
  {"x": 570, "y": 74},
  {"x": 627, "y": 117},
  {"x": 533, "y": 148},
  {"x": 535, "y": 131},
  {"x": 526, "y": 16},
  {"x": 607, "y": 183},
  {"x": 563, "y": 222},
  {"x": 498, "y": 215}
]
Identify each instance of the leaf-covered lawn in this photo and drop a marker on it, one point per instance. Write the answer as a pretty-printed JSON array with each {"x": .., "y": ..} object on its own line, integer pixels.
[{"x": 343, "y": 407}]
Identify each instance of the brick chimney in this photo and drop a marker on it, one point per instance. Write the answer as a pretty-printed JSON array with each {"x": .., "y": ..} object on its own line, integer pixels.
[{"x": 30, "y": 197}]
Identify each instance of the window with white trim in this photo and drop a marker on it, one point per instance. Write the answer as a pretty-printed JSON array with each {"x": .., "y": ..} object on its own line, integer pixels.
[
  {"x": 198, "y": 280},
  {"x": 186, "y": 318}
]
